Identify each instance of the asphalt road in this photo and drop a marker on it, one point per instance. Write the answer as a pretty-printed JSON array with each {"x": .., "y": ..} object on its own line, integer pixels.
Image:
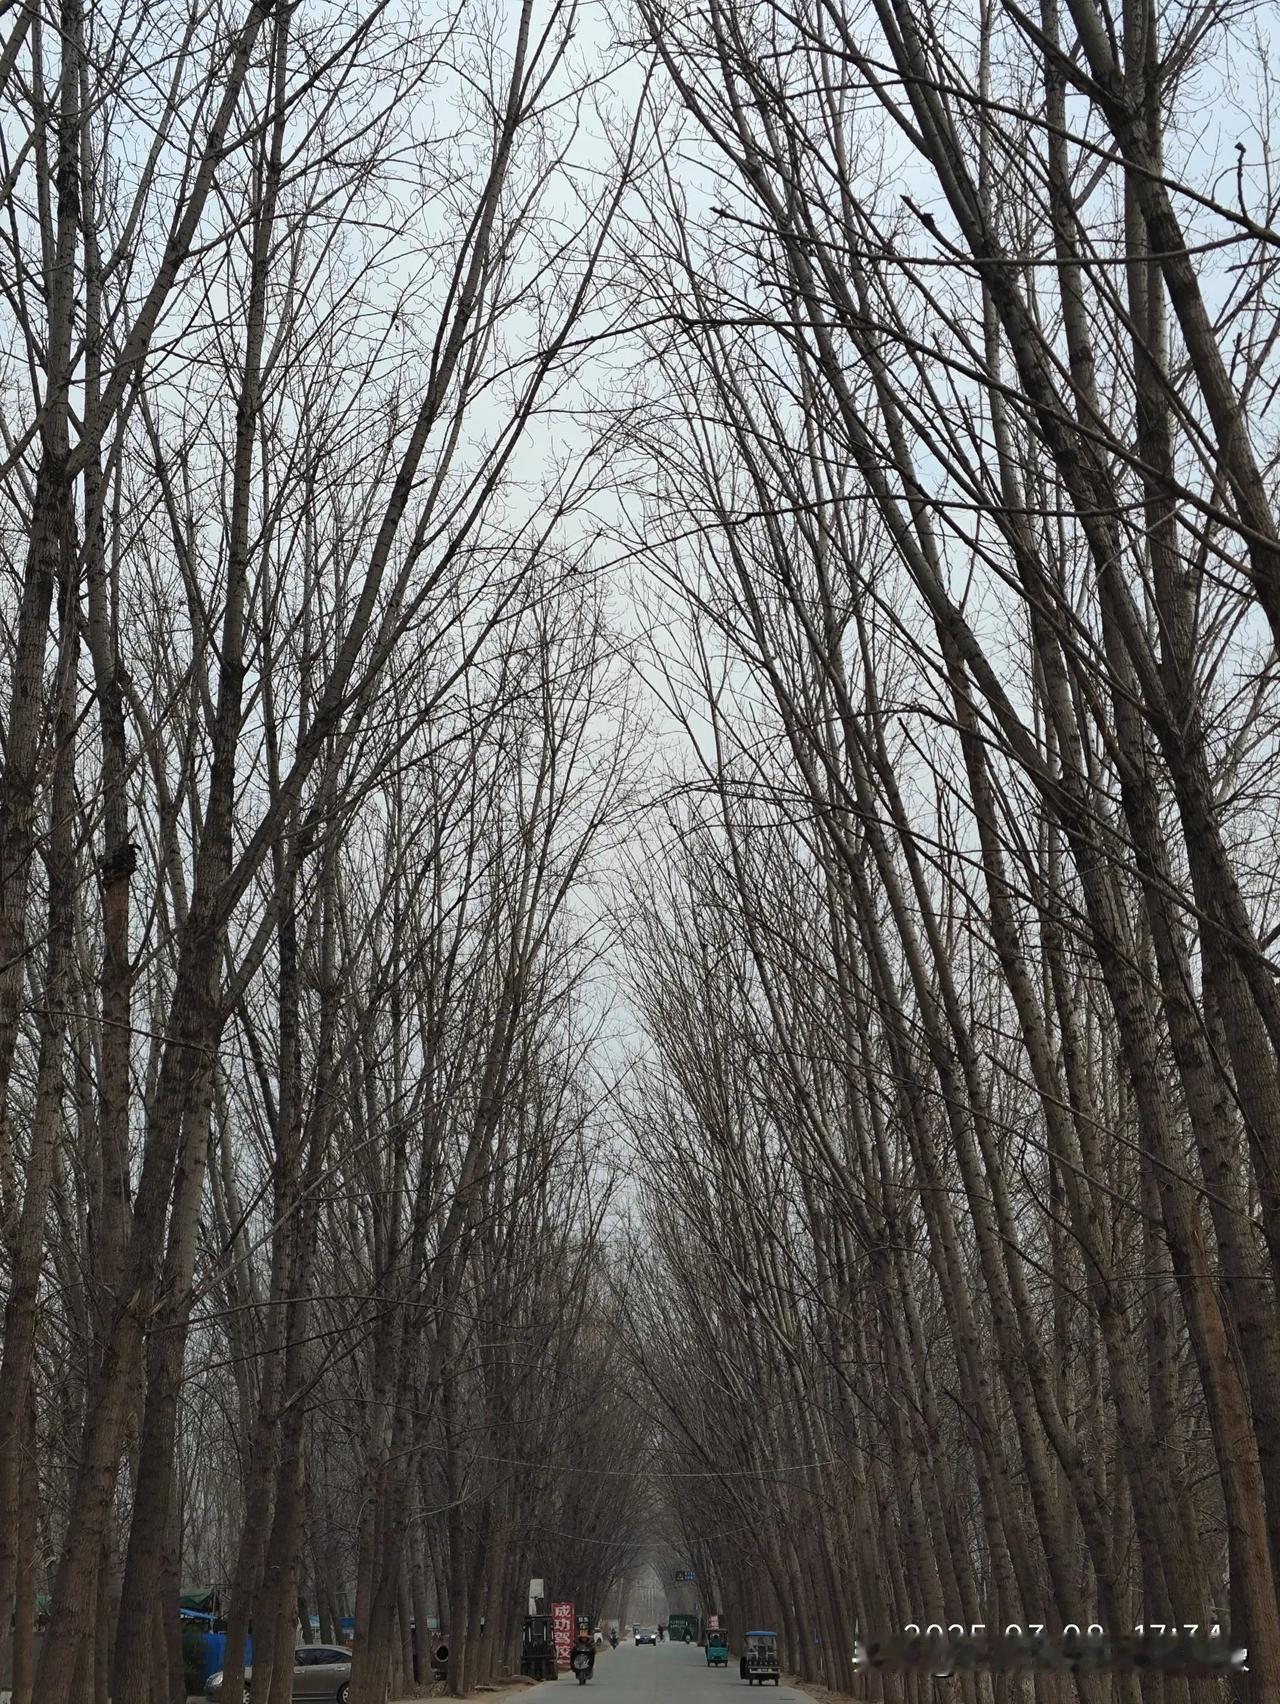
[{"x": 669, "y": 1674}]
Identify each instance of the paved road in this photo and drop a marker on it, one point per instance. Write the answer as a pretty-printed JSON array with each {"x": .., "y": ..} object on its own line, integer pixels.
[{"x": 669, "y": 1674}]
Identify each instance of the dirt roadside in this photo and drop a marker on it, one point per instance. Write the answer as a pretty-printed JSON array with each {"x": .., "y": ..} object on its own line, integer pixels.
[
  {"x": 516, "y": 1688},
  {"x": 821, "y": 1694}
]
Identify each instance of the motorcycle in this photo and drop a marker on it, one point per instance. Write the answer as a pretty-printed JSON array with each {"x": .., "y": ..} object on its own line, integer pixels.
[
  {"x": 582, "y": 1663},
  {"x": 613, "y": 1641}
]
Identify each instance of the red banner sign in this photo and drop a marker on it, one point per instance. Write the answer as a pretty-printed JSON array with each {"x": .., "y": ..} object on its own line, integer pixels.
[{"x": 566, "y": 1631}]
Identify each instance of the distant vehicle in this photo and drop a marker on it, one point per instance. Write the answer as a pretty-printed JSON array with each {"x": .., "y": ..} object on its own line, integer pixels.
[
  {"x": 319, "y": 1671},
  {"x": 646, "y": 1635},
  {"x": 717, "y": 1651}
]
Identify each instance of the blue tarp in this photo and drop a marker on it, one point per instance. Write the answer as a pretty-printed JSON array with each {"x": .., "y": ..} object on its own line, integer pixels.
[{"x": 215, "y": 1651}]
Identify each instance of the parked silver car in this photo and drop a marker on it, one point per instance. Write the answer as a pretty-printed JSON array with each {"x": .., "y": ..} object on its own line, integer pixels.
[{"x": 319, "y": 1671}]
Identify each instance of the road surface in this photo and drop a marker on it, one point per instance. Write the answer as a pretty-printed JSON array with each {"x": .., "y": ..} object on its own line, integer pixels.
[{"x": 667, "y": 1674}]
